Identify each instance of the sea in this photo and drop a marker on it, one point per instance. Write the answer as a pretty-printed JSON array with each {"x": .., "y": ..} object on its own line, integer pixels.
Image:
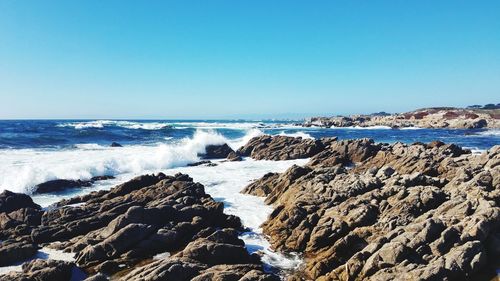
[{"x": 36, "y": 151}]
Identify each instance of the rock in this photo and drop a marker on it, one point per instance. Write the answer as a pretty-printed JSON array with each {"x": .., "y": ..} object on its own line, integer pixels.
[
  {"x": 218, "y": 256},
  {"x": 128, "y": 225},
  {"x": 457, "y": 118},
  {"x": 217, "y": 151},
  {"x": 12, "y": 251},
  {"x": 204, "y": 162},
  {"x": 115, "y": 144},
  {"x": 404, "y": 212},
  {"x": 62, "y": 184},
  {"x": 233, "y": 156},
  {"x": 42, "y": 270},
  {"x": 97, "y": 277},
  {"x": 10, "y": 201},
  {"x": 280, "y": 148}
]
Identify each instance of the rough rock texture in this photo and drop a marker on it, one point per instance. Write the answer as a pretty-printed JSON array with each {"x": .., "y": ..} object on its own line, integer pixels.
[
  {"x": 217, "y": 151},
  {"x": 41, "y": 270},
  {"x": 233, "y": 156},
  {"x": 447, "y": 117},
  {"x": 18, "y": 215},
  {"x": 62, "y": 184},
  {"x": 280, "y": 148},
  {"x": 118, "y": 232},
  {"x": 215, "y": 255},
  {"x": 10, "y": 201},
  {"x": 115, "y": 144},
  {"x": 365, "y": 211}
]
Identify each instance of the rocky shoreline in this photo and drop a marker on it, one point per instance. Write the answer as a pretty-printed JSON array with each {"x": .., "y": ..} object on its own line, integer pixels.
[
  {"x": 118, "y": 233},
  {"x": 358, "y": 210},
  {"x": 365, "y": 211},
  {"x": 441, "y": 117}
]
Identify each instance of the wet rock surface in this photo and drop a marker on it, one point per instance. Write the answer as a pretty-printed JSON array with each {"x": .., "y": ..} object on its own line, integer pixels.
[
  {"x": 62, "y": 184},
  {"x": 217, "y": 151},
  {"x": 365, "y": 211},
  {"x": 118, "y": 232}
]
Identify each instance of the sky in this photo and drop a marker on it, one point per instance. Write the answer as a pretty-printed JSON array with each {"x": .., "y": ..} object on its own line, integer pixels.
[{"x": 244, "y": 59}]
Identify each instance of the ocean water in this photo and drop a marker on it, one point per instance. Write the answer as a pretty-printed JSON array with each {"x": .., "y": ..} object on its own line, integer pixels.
[{"x": 32, "y": 152}]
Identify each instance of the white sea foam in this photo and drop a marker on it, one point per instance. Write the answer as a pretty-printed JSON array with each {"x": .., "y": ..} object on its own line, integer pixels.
[
  {"x": 224, "y": 183},
  {"x": 123, "y": 124},
  {"x": 491, "y": 132},
  {"x": 22, "y": 169},
  {"x": 363, "y": 128},
  {"x": 475, "y": 150},
  {"x": 410, "y": 128},
  {"x": 177, "y": 125}
]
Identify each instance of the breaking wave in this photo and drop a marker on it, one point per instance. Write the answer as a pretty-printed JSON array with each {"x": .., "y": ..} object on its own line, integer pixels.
[{"x": 24, "y": 168}]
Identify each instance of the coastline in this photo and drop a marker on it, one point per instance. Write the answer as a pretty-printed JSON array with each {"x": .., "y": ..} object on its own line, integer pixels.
[
  {"x": 454, "y": 118},
  {"x": 289, "y": 229}
]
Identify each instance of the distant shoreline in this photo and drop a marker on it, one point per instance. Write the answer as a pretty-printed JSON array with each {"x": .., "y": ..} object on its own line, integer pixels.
[{"x": 436, "y": 117}]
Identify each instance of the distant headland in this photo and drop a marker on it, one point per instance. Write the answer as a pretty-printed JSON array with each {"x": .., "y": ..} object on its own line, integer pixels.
[{"x": 470, "y": 117}]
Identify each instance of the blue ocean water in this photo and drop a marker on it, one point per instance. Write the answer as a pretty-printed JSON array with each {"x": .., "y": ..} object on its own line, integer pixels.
[
  {"x": 35, "y": 151},
  {"x": 56, "y": 134}
]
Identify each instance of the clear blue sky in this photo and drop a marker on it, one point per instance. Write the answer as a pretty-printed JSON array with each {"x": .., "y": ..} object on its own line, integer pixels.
[{"x": 226, "y": 59}]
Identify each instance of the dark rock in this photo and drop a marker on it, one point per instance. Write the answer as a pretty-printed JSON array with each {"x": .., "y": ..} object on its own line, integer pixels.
[
  {"x": 280, "y": 148},
  {"x": 204, "y": 162},
  {"x": 10, "y": 201},
  {"x": 233, "y": 156},
  {"x": 217, "y": 151},
  {"x": 62, "y": 184},
  {"x": 41, "y": 270},
  {"x": 115, "y": 144},
  {"x": 15, "y": 251}
]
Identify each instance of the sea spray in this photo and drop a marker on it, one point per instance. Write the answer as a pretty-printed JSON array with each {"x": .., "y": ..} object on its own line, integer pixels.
[{"x": 24, "y": 168}]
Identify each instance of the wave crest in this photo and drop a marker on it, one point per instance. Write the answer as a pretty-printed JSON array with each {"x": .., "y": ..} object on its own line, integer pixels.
[{"x": 24, "y": 168}]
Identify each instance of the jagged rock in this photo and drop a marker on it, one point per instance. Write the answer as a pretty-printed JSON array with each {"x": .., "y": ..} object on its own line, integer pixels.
[
  {"x": 217, "y": 151},
  {"x": 123, "y": 228},
  {"x": 41, "y": 270},
  {"x": 280, "y": 148},
  {"x": 445, "y": 117},
  {"x": 12, "y": 251},
  {"x": 233, "y": 156},
  {"x": 61, "y": 184},
  {"x": 216, "y": 256},
  {"x": 402, "y": 212},
  {"x": 204, "y": 162},
  {"x": 10, "y": 201}
]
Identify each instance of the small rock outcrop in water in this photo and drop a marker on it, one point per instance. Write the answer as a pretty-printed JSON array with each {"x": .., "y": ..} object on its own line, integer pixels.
[
  {"x": 201, "y": 163},
  {"x": 280, "y": 148},
  {"x": 118, "y": 232},
  {"x": 62, "y": 184},
  {"x": 217, "y": 151},
  {"x": 233, "y": 156},
  {"x": 401, "y": 212},
  {"x": 115, "y": 144}
]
